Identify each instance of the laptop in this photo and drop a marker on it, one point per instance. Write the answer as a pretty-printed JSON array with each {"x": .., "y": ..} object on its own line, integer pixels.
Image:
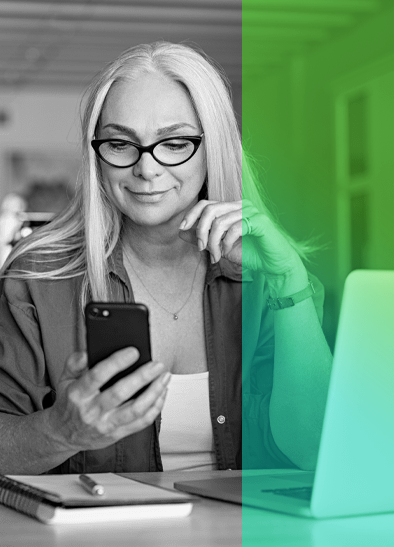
[{"x": 355, "y": 467}]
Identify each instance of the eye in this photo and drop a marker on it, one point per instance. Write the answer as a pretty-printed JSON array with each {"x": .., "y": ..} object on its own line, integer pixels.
[
  {"x": 118, "y": 146},
  {"x": 177, "y": 145}
]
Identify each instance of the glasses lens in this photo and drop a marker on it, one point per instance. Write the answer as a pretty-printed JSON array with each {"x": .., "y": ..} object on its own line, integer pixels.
[
  {"x": 174, "y": 151},
  {"x": 119, "y": 153}
]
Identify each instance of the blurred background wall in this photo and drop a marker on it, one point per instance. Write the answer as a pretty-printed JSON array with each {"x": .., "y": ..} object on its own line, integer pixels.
[
  {"x": 49, "y": 52},
  {"x": 320, "y": 119},
  {"x": 313, "y": 80}
]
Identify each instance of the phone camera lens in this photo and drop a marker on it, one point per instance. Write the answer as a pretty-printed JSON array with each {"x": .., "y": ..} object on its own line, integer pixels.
[{"x": 94, "y": 312}]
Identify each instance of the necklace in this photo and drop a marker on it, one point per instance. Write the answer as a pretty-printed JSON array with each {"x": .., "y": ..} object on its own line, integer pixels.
[{"x": 175, "y": 315}]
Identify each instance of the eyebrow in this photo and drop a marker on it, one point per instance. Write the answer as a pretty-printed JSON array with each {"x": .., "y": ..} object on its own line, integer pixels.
[
  {"x": 174, "y": 127},
  {"x": 160, "y": 132}
]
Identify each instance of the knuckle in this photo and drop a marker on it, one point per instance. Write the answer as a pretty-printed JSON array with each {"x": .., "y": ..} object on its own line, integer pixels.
[
  {"x": 73, "y": 395},
  {"x": 151, "y": 415},
  {"x": 96, "y": 374},
  {"x": 199, "y": 230},
  {"x": 101, "y": 429},
  {"x": 215, "y": 224},
  {"x": 210, "y": 207},
  {"x": 218, "y": 223},
  {"x": 122, "y": 390},
  {"x": 138, "y": 411},
  {"x": 119, "y": 394},
  {"x": 90, "y": 418},
  {"x": 122, "y": 358},
  {"x": 125, "y": 391},
  {"x": 232, "y": 231},
  {"x": 118, "y": 361},
  {"x": 148, "y": 373}
]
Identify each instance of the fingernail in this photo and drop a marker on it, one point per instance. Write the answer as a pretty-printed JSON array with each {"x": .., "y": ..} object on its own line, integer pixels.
[
  {"x": 212, "y": 259},
  {"x": 200, "y": 244},
  {"x": 183, "y": 224}
]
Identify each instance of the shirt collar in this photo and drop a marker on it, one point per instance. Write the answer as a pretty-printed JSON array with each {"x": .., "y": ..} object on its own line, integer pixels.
[{"x": 223, "y": 268}]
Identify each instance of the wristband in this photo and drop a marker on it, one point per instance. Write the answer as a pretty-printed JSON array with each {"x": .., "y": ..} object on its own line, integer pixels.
[{"x": 292, "y": 300}]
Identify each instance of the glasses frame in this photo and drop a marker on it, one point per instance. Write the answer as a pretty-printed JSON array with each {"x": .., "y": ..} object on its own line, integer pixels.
[{"x": 195, "y": 140}]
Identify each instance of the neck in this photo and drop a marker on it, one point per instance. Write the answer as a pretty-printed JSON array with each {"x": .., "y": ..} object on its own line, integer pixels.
[{"x": 157, "y": 245}]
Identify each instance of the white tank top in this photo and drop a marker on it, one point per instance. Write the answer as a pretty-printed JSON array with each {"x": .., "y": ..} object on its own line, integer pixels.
[{"x": 186, "y": 438}]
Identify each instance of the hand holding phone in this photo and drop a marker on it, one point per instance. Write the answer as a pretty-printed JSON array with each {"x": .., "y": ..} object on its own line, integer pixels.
[{"x": 84, "y": 417}]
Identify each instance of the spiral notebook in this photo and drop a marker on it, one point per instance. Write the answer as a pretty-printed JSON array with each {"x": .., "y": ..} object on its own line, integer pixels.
[{"x": 60, "y": 499}]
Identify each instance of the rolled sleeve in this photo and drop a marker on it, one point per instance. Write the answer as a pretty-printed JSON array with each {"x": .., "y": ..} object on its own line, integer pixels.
[
  {"x": 23, "y": 379},
  {"x": 259, "y": 450}
]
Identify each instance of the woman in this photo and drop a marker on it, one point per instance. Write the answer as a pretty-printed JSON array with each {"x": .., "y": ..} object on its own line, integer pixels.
[{"x": 158, "y": 218}]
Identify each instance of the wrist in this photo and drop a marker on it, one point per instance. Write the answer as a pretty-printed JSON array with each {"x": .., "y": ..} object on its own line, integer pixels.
[
  {"x": 56, "y": 433},
  {"x": 293, "y": 281}
]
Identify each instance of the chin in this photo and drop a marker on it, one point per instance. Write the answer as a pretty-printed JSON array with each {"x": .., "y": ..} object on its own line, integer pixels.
[{"x": 152, "y": 218}]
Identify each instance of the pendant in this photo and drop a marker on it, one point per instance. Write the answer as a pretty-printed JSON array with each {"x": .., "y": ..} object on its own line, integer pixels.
[{"x": 175, "y": 317}]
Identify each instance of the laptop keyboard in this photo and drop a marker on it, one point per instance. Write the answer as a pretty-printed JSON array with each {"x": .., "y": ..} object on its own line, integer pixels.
[{"x": 302, "y": 493}]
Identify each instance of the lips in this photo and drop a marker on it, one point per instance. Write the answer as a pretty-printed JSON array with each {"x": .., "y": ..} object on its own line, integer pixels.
[
  {"x": 148, "y": 193},
  {"x": 149, "y": 197}
]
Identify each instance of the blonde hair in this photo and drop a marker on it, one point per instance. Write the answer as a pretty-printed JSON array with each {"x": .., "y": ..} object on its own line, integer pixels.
[{"x": 80, "y": 241}]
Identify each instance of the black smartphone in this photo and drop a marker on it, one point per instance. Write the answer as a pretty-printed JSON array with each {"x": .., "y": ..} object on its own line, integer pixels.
[{"x": 111, "y": 326}]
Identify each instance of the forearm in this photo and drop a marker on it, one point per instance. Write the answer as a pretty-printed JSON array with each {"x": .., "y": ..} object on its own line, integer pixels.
[
  {"x": 301, "y": 377},
  {"x": 28, "y": 444}
]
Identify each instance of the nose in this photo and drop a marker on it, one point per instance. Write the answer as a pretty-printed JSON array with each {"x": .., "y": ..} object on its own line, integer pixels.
[{"x": 147, "y": 167}]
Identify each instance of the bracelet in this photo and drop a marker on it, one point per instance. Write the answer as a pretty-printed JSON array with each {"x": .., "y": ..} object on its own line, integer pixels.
[{"x": 292, "y": 300}]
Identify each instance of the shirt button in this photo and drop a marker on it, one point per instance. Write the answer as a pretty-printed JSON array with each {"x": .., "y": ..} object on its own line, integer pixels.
[{"x": 221, "y": 419}]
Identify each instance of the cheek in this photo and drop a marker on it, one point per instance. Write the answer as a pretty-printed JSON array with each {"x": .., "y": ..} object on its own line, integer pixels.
[
  {"x": 110, "y": 180},
  {"x": 191, "y": 185},
  {"x": 105, "y": 175},
  {"x": 193, "y": 176},
  {"x": 112, "y": 189}
]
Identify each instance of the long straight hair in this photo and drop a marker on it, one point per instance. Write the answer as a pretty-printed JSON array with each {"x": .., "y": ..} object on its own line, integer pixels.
[{"x": 80, "y": 241}]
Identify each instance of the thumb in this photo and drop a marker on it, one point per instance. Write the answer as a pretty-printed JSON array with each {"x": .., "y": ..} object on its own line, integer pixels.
[
  {"x": 189, "y": 235},
  {"x": 75, "y": 366}
]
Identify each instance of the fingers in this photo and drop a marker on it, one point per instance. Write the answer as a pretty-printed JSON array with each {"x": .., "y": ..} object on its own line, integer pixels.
[
  {"x": 224, "y": 229},
  {"x": 189, "y": 235},
  {"x": 95, "y": 421},
  {"x": 134, "y": 423},
  {"x": 194, "y": 214},
  {"x": 75, "y": 366},
  {"x": 147, "y": 405},
  {"x": 125, "y": 388},
  {"x": 212, "y": 220},
  {"x": 219, "y": 227},
  {"x": 97, "y": 376},
  {"x": 234, "y": 233}
]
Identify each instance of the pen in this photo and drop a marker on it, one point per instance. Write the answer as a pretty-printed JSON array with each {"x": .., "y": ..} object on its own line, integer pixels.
[{"x": 91, "y": 486}]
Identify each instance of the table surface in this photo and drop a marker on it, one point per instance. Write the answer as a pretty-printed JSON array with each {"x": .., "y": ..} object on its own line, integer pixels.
[{"x": 211, "y": 523}]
